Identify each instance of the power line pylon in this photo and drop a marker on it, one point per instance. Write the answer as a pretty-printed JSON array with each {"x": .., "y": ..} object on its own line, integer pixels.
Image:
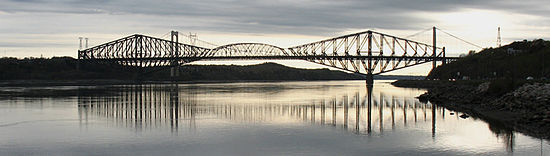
[{"x": 499, "y": 41}]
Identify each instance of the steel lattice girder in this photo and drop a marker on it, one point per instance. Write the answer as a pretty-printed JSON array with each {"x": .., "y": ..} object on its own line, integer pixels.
[
  {"x": 383, "y": 52},
  {"x": 141, "y": 50},
  {"x": 364, "y": 52}
]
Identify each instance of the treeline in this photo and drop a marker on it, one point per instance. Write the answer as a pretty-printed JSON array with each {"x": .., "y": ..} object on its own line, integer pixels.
[
  {"x": 265, "y": 71},
  {"x": 57, "y": 68},
  {"x": 65, "y": 68},
  {"x": 518, "y": 60}
]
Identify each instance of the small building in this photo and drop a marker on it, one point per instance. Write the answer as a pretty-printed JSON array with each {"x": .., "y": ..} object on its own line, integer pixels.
[{"x": 513, "y": 51}]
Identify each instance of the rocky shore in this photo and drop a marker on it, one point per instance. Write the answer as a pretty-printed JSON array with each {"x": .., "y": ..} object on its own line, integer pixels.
[{"x": 525, "y": 108}]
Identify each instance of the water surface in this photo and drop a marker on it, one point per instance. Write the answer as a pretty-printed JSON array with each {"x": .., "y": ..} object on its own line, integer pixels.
[{"x": 282, "y": 118}]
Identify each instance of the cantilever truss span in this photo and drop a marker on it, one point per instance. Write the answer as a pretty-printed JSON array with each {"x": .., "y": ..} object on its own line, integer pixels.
[{"x": 363, "y": 52}]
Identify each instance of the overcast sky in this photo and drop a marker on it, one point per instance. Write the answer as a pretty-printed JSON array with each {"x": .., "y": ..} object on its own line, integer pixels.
[{"x": 52, "y": 27}]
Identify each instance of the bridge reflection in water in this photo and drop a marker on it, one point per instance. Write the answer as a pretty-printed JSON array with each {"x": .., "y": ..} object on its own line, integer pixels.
[{"x": 142, "y": 107}]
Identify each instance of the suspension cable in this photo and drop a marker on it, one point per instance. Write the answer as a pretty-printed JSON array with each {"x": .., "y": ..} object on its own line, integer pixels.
[
  {"x": 418, "y": 33},
  {"x": 165, "y": 35},
  {"x": 458, "y": 38},
  {"x": 206, "y": 42}
]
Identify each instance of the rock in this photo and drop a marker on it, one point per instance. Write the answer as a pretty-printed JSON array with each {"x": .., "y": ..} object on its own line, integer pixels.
[
  {"x": 529, "y": 97},
  {"x": 423, "y": 98},
  {"x": 464, "y": 116},
  {"x": 482, "y": 88}
]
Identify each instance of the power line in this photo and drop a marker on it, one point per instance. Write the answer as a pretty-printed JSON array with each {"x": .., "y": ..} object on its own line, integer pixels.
[
  {"x": 165, "y": 35},
  {"x": 458, "y": 38},
  {"x": 205, "y": 42},
  {"x": 194, "y": 38}
]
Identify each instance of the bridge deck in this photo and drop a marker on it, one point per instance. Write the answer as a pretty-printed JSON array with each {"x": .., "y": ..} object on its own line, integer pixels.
[{"x": 313, "y": 57}]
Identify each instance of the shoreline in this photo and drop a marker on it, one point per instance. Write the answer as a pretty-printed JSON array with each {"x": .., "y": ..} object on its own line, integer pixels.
[
  {"x": 464, "y": 96},
  {"x": 102, "y": 82},
  {"x": 40, "y": 88}
]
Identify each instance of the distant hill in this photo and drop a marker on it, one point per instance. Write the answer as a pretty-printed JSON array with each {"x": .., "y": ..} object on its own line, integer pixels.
[
  {"x": 265, "y": 71},
  {"x": 64, "y": 68},
  {"x": 520, "y": 60}
]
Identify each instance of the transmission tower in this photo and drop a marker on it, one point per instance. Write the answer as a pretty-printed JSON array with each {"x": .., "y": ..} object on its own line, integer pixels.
[
  {"x": 80, "y": 45},
  {"x": 86, "y": 43},
  {"x": 192, "y": 38},
  {"x": 86, "y": 47},
  {"x": 499, "y": 41}
]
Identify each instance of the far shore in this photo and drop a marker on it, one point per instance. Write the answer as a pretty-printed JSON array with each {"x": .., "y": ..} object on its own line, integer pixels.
[
  {"x": 96, "y": 82},
  {"x": 46, "y": 83}
]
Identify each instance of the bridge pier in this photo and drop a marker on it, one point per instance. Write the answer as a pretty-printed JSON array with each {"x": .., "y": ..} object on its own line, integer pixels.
[
  {"x": 444, "y": 59},
  {"x": 78, "y": 62},
  {"x": 370, "y": 79},
  {"x": 175, "y": 71}
]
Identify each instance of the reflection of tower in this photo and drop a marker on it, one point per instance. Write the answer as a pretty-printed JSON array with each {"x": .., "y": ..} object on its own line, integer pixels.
[
  {"x": 139, "y": 107},
  {"x": 346, "y": 111},
  {"x": 392, "y": 113},
  {"x": 433, "y": 120},
  {"x": 323, "y": 111},
  {"x": 313, "y": 112},
  {"x": 357, "y": 110},
  {"x": 414, "y": 111},
  {"x": 334, "y": 112},
  {"x": 381, "y": 112},
  {"x": 174, "y": 110},
  {"x": 404, "y": 112},
  {"x": 369, "y": 108}
]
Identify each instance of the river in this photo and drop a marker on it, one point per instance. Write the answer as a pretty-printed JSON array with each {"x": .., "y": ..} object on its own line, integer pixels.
[{"x": 267, "y": 118}]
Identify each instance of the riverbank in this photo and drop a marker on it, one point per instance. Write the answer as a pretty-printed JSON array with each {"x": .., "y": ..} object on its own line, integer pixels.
[
  {"x": 63, "y": 88},
  {"x": 523, "y": 108},
  {"x": 104, "y": 82},
  {"x": 65, "y": 68}
]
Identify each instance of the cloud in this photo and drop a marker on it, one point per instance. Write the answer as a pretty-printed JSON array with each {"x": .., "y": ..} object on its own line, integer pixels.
[
  {"x": 275, "y": 16},
  {"x": 119, "y": 18}
]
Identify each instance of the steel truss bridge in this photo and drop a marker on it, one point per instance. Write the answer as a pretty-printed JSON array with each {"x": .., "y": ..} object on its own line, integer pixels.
[{"x": 369, "y": 52}]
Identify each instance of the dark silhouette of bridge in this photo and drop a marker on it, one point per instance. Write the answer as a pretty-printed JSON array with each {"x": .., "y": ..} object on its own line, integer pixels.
[{"x": 368, "y": 53}]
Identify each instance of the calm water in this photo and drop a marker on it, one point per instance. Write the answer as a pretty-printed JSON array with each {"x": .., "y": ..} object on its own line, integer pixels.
[{"x": 284, "y": 118}]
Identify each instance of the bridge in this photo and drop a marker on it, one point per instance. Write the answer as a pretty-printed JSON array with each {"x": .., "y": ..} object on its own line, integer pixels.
[{"x": 368, "y": 53}]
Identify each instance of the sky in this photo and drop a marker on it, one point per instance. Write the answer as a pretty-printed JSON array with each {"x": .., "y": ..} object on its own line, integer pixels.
[{"x": 34, "y": 28}]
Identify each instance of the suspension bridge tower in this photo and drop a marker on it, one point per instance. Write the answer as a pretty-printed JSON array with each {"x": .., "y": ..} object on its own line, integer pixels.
[{"x": 174, "y": 48}]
